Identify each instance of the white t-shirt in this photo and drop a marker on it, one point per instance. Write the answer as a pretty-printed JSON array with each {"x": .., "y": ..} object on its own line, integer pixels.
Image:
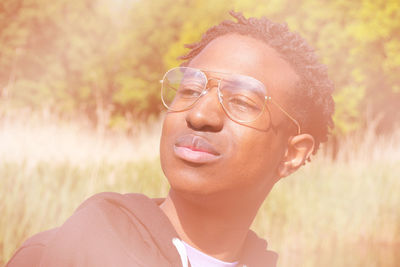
[{"x": 200, "y": 259}]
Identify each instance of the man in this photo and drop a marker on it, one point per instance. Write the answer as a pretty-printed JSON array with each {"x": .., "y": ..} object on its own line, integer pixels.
[{"x": 248, "y": 106}]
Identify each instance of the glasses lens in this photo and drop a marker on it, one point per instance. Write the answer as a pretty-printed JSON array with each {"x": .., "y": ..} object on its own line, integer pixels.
[
  {"x": 181, "y": 87},
  {"x": 243, "y": 97}
]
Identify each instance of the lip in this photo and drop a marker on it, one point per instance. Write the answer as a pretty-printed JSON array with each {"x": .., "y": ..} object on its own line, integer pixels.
[{"x": 195, "y": 149}]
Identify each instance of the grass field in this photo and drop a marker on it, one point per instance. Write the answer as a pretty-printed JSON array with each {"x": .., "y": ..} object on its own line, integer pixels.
[{"x": 341, "y": 212}]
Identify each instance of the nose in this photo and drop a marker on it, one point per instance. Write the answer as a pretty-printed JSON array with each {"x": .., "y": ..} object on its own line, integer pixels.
[{"x": 207, "y": 113}]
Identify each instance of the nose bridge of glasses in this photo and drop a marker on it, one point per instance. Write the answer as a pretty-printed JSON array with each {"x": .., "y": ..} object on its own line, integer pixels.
[
  {"x": 213, "y": 82},
  {"x": 210, "y": 84}
]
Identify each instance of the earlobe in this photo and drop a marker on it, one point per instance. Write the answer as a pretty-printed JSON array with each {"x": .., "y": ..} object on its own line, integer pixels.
[
  {"x": 299, "y": 149},
  {"x": 283, "y": 169}
]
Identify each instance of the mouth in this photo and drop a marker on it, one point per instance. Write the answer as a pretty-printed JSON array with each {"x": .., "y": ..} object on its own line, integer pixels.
[{"x": 195, "y": 149}]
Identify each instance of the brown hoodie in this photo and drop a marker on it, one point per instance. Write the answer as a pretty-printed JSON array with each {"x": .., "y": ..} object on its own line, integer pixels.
[{"x": 111, "y": 229}]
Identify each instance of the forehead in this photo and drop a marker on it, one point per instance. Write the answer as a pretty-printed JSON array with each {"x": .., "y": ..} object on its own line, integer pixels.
[{"x": 245, "y": 55}]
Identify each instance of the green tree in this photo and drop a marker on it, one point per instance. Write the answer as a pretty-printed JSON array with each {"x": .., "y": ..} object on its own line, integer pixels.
[{"x": 105, "y": 58}]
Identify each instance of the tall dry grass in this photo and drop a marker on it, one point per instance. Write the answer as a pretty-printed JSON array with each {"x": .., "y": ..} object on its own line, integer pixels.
[{"x": 340, "y": 212}]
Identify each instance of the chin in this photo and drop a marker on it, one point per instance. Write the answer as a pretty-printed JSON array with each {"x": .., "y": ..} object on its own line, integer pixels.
[{"x": 189, "y": 183}]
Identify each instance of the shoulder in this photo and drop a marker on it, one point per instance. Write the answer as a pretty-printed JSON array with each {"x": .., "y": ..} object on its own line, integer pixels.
[
  {"x": 93, "y": 215},
  {"x": 30, "y": 253},
  {"x": 106, "y": 229}
]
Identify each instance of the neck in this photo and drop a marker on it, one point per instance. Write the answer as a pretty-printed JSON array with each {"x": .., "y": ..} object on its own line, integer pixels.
[{"x": 217, "y": 226}]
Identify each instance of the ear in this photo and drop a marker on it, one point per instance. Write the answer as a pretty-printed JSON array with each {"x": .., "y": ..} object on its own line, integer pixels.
[{"x": 299, "y": 149}]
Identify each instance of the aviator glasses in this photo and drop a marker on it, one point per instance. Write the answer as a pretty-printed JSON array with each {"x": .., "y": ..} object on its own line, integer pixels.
[{"x": 242, "y": 97}]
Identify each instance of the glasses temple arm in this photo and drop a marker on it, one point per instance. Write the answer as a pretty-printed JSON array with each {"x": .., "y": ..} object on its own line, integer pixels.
[{"x": 287, "y": 114}]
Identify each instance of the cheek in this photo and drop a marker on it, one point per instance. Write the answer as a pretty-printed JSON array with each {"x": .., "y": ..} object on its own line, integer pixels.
[
  {"x": 258, "y": 154},
  {"x": 167, "y": 137}
]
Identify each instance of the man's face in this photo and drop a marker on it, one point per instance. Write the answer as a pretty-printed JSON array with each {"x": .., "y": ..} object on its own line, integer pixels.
[{"x": 203, "y": 151}]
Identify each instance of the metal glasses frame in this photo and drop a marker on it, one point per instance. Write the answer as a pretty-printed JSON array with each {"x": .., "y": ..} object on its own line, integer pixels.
[{"x": 206, "y": 89}]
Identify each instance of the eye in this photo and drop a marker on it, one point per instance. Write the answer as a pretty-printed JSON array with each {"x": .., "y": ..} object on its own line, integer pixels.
[
  {"x": 189, "y": 90},
  {"x": 243, "y": 104}
]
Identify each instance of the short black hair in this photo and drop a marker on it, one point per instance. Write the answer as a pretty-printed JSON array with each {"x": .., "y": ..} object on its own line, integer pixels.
[{"x": 311, "y": 102}]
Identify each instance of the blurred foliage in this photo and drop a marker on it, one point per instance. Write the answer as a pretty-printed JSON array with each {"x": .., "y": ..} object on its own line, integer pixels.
[{"x": 104, "y": 58}]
